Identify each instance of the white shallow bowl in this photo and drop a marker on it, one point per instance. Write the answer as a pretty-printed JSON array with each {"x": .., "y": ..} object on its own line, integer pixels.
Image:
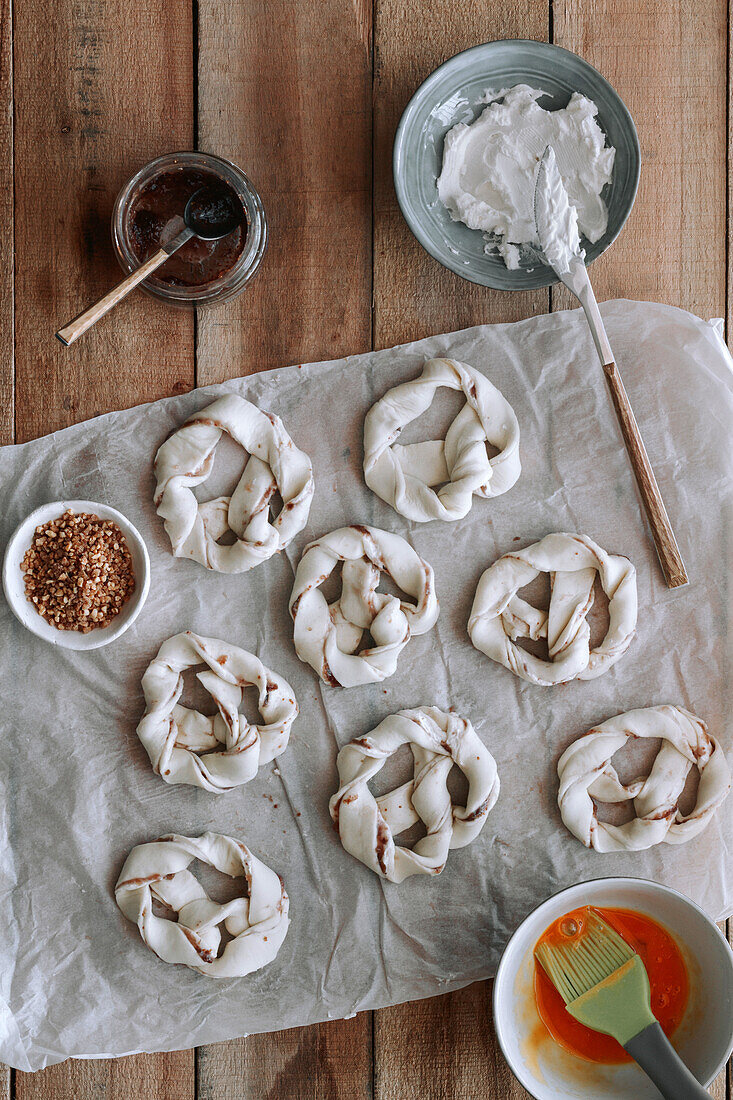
[
  {"x": 14, "y": 582},
  {"x": 704, "y": 1038}
]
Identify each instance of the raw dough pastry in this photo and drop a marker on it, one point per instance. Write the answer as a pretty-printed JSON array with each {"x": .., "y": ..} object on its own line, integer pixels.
[
  {"x": 158, "y": 872},
  {"x": 327, "y": 636},
  {"x": 367, "y": 825},
  {"x": 404, "y": 476},
  {"x": 274, "y": 465},
  {"x": 499, "y": 615},
  {"x": 175, "y": 736},
  {"x": 586, "y": 772}
]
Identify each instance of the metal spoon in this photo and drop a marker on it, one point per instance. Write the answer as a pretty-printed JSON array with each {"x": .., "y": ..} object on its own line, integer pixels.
[
  {"x": 556, "y": 222},
  {"x": 211, "y": 213}
]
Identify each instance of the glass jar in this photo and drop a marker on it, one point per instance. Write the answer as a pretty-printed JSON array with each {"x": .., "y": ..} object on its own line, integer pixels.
[{"x": 228, "y": 284}]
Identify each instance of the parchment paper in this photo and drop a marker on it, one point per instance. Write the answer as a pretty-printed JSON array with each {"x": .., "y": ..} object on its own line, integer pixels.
[{"x": 77, "y": 788}]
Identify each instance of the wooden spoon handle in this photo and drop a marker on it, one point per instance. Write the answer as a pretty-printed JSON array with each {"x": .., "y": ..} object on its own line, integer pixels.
[
  {"x": 669, "y": 555},
  {"x": 76, "y": 328}
]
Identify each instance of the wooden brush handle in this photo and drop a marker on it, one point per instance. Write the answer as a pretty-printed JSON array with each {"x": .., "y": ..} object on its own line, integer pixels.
[
  {"x": 669, "y": 555},
  {"x": 76, "y": 328}
]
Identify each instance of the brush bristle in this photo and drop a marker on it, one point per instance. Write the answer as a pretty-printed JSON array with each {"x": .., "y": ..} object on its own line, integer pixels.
[{"x": 576, "y": 967}]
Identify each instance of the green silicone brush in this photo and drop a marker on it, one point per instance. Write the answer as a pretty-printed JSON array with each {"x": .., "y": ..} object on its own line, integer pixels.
[{"x": 605, "y": 986}]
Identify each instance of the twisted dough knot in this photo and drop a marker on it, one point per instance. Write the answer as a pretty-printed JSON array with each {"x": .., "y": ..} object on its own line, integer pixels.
[
  {"x": 586, "y": 772},
  {"x": 499, "y": 615},
  {"x": 404, "y": 476},
  {"x": 174, "y": 736},
  {"x": 274, "y": 465},
  {"x": 258, "y": 922},
  {"x": 328, "y": 635},
  {"x": 367, "y": 825}
]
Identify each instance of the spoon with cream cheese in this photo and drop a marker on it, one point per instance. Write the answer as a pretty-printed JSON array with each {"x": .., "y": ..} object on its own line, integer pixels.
[
  {"x": 555, "y": 218},
  {"x": 556, "y": 223}
]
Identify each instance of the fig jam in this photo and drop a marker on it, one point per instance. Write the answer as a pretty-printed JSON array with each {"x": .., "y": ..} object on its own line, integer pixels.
[{"x": 151, "y": 215}]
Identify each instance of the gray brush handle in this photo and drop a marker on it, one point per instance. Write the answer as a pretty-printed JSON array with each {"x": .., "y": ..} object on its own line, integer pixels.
[{"x": 652, "y": 1050}]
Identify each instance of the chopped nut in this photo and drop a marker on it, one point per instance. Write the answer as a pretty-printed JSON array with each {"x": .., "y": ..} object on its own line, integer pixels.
[{"x": 78, "y": 571}]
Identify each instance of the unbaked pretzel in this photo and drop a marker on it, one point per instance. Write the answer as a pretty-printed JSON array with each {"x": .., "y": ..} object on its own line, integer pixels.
[
  {"x": 327, "y": 636},
  {"x": 175, "y": 737},
  {"x": 499, "y": 615},
  {"x": 460, "y": 464},
  {"x": 367, "y": 825},
  {"x": 158, "y": 872},
  {"x": 274, "y": 465},
  {"x": 586, "y": 773}
]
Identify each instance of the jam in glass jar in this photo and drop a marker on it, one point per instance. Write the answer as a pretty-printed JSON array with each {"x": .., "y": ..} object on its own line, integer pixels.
[{"x": 149, "y": 212}]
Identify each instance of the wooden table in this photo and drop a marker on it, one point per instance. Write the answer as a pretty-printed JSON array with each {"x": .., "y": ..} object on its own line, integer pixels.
[{"x": 305, "y": 95}]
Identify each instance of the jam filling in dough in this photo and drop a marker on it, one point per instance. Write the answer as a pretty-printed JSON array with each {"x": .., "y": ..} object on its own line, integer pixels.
[
  {"x": 274, "y": 464},
  {"x": 499, "y": 615},
  {"x": 221, "y": 751},
  {"x": 158, "y": 872},
  {"x": 327, "y": 636},
  {"x": 586, "y": 773},
  {"x": 367, "y": 825},
  {"x": 404, "y": 476}
]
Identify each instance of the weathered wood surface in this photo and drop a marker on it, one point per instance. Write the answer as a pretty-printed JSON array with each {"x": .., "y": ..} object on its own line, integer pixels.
[
  {"x": 305, "y": 140},
  {"x": 144, "y": 1077},
  {"x": 443, "y": 1047},
  {"x": 306, "y": 98},
  {"x": 285, "y": 90},
  {"x": 7, "y": 274},
  {"x": 667, "y": 60},
  {"x": 88, "y": 113},
  {"x": 413, "y": 295}
]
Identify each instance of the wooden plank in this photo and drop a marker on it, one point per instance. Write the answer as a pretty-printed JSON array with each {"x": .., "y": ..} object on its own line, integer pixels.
[
  {"x": 99, "y": 90},
  {"x": 413, "y": 295},
  {"x": 144, "y": 1077},
  {"x": 331, "y": 1061},
  {"x": 673, "y": 247},
  {"x": 7, "y": 275},
  {"x": 442, "y": 1047},
  {"x": 285, "y": 91},
  {"x": 88, "y": 113}
]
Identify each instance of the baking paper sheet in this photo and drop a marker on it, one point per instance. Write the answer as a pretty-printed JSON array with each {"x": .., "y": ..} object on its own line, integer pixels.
[{"x": 77, "y": 788}]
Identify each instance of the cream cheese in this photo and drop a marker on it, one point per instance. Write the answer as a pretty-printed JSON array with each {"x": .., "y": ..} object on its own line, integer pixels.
[{"x": 489, "y": 167}]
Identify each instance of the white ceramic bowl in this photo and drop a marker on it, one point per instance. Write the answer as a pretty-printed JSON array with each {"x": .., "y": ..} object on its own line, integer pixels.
[
  {"x": 14, "y": 583},
  {"x": 704, "y": 1038}
]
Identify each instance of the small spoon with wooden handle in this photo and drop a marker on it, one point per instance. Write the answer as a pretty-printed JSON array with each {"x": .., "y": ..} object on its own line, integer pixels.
[
  {"x": 557, "y": 228},
  {"x": 210, "y": 213}
]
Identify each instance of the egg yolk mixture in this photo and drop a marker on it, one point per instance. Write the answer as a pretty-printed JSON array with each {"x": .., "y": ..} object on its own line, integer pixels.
[{"x": 664, "y": 965}]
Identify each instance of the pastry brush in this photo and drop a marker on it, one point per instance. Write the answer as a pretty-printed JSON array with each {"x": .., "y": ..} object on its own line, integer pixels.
[
  {"x": 556, "y": 222},
  {"x": 605, "y": 986}
]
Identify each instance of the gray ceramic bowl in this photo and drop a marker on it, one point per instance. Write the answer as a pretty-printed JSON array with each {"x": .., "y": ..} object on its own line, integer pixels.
[{"x": 451, "y": 94}]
